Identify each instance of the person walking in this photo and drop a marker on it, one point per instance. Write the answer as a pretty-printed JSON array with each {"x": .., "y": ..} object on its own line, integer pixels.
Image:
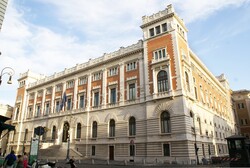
[
  {"x": 19, "y": 163},
  {"x": 25, "y": 160},
  {"x": 71, "y": 162},
  {"x": 9, "y": 160}
]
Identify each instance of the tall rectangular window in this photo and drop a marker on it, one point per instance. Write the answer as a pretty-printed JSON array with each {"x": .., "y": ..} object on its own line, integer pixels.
[
  {"x": 47, "y": 108},
  {"x": 132, "y": 91},
  {"x": 113, "y": 95},
  {"x": 93, "y": 150},
  {"x": 30, "y": 112},
  {"x": 38, "y": 110},
  {"x": 164, "y": 27},
  {"x": 151, "y": 32},
  {"x": 17, "y": 113},
  {"x": 166, "y": 149},
  {"x": 158, "y": 29},
  {"x": 81, "y": 103},
  {"x": 195, "y": 92},
  {"x": 132, "y": 150},
  {"x": 69, "y": 101},
  {"x": 57, "y": 106},
  {"x": 96, "y": 99}
]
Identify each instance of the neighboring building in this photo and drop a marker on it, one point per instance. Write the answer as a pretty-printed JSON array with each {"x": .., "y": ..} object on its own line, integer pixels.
[
  {"x": 152, "y": 100},
  {"x": 242, "y": 109},
  {"x": 5, "y": 111},
  {"x": 3, "y": 5}
]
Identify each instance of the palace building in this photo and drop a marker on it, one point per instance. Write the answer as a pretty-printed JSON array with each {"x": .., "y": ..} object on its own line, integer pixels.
[
  {"x": 154, "y": 99},
  {"x": 3, "y": 5},
  {"x": 242, "y": 109}
]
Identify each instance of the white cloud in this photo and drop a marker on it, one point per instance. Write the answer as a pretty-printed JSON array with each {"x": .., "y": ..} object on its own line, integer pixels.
[
  {"x": 103, "y": 25},
  {"x": 192, "y": 10}
]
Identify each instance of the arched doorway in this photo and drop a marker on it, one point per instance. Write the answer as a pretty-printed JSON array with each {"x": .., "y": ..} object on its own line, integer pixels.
[{"x": 65, "y": 132}]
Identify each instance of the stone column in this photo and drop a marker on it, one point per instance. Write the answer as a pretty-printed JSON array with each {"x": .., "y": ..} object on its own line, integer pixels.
[
  {"x": 43, "y": 102},
  {"x": 121, "y": 91},
  {"x": 104, "y": 87},
  {"x": 141, "y": 78},
  {"x": 52, "y": 99},
  {"x": 88, "y": 92},
  {"x": 75, "y": 93},
  {"x": 34, "y": 105}
]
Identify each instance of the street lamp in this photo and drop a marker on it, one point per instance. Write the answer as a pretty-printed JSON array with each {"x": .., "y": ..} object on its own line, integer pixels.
[
  {"x": 195, "y": 140},
  {"x": 9, "y": 72},
  {"x": 66, "y": 128}
]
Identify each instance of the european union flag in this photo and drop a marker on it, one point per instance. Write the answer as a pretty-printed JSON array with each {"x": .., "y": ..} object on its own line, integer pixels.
[{"x": 64, "y": 99}]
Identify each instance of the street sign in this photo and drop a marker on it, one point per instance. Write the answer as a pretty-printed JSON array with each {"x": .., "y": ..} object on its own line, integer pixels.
[
  {"x": 33, "y": 150},
  {"x": 39, "y": 130},
  {"x": 34, "y": 146}
]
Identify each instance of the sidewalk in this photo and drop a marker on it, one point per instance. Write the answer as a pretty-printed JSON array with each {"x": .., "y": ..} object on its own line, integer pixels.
[{"x": 100, "y": 163}]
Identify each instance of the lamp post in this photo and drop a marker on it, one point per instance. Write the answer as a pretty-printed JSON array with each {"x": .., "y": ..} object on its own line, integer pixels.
[
  {"x": 67, "y": 157},
  {"x": 66, "y": 128},
  {"x": 195, "y": 142},
  {"x": 9, "y": 72}
]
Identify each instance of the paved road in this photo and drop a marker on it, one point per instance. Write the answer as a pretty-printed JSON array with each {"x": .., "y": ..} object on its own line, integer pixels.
[{"x": 131, "y": 165}]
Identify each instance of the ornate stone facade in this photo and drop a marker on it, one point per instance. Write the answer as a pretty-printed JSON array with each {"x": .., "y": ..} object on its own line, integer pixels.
[{"x": 152, "y": 100}]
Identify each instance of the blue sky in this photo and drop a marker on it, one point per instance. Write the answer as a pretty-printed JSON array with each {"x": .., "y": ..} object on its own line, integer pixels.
[{"x": 47, "y": 36}]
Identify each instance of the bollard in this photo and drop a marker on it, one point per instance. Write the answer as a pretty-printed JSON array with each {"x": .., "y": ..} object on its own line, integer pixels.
[
  {"x": 156, "y": 160},
  {"x": 107, "y": 162},
  {"x": 93, "y": 161},
  {"x": 79, "y": 161},
  {"x": 144, "y": 161},
  {"x": 125, "y": 162}
]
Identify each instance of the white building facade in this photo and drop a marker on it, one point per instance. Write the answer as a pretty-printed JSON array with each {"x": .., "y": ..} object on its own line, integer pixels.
[{"x": 152, "y": 100}]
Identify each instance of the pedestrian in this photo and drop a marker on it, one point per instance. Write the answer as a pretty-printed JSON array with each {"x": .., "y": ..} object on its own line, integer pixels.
[
  {"x": 10, "y": 160},
  {"x": 25, "y": 160},
  {"x": 71, "y": 162},
  {"x": 19, "y": 163}
]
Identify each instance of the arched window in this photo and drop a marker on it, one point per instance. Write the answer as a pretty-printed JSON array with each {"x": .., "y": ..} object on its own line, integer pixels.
[
  {"x": 78, "y": 130},
  {"x": 165, "y": 122},
  {"x": 112, "y": 128},
  {"x": 162, "y": 81},
  {"x": 54, "y": 132},
  {"x": 94, "y": 129},
  {"x": 187, "y": 81},
  {"x": 132, "y": 126}
]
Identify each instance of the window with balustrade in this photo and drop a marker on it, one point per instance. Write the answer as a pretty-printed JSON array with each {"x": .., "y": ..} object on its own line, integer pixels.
[
  {"x": 160, "y": 54},
  {"x": 70, "y": 84},
  {"x": 83, "y": 80},
  {"x": 113, "y": 71}
]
